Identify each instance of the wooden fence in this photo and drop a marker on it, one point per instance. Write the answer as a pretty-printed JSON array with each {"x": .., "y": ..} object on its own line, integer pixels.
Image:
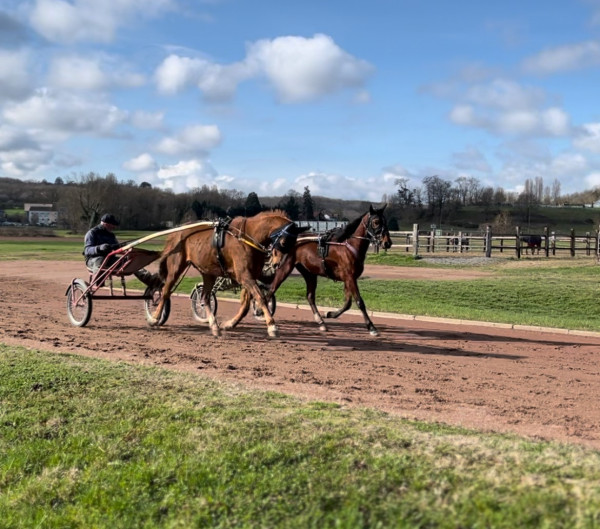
[{"x": 418, "y": 242}]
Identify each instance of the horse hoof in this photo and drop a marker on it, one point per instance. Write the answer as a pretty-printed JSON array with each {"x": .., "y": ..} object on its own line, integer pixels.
[
  {"x": 374, "y": 332},
  {"x": 273, "y": 331},
  {"x": 228, "y": 325},
  {"x": 323, "y": 327},
  {"x": 216, "y": 332}
]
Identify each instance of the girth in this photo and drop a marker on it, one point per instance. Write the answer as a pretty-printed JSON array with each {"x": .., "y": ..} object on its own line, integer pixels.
[{"x": 218, "y": 241}]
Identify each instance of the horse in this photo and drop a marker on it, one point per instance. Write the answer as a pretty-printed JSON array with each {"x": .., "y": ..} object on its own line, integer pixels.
[
  {"x": 236, "y": 249},
  {"x": 533, "y": 242},
  {"x": 460, "y": 244},
  {"x": 341, "y": 258}
]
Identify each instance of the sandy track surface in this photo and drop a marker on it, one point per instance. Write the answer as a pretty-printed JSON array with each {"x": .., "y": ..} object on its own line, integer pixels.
[{"x": 536, "y": 384}]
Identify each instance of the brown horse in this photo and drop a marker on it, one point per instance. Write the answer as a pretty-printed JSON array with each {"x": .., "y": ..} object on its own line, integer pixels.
[
  {"x": 340, "y": 259},
  {"x": 237, "y": 249}
]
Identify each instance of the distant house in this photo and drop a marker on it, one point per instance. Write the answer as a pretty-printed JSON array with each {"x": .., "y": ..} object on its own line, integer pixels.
[{"x": 41, "y": 214}]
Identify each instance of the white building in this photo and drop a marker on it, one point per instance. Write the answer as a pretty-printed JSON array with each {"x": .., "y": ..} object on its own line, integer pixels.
[{"x": 41, "y": 214}]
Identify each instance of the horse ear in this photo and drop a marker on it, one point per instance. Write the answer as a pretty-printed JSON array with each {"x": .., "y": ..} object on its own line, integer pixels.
[
  {"x": 371, "y": 210},
  {"x": 302, "y": 229}
]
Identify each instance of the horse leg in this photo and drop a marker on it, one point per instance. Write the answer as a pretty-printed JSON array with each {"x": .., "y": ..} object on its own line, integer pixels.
[
  {"x": 171, "y": 278},
  {"x": 253, "y": 290},
  {"x": 243, "y": 310},
  {"x": 345, "y": 307},
  {"x": 352, "y": 291},
  {"x": 311, "y": 288},
  {"x": 208, "y": 282}
]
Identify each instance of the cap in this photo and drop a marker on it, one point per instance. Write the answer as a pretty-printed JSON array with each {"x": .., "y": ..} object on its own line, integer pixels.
[{"x": 109, "y": 218}]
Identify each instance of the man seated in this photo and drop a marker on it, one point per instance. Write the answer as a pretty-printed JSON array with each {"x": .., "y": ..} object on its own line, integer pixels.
[{"x": 100, "y": 241}]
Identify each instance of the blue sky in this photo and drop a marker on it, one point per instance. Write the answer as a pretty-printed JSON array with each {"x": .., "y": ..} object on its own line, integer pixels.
[{"x": 345, "y": 97}]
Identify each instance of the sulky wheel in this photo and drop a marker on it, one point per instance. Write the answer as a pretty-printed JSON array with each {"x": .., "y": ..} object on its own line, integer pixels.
[
  {"x": 198, "y": 308},
  {"x": 79, "y": 306},
  {"x": 153, "y": 295}
]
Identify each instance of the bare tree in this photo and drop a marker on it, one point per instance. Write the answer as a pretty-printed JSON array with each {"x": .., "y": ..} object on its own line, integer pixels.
[
  {"x": 438, "y": 192},
  {"x": 555, "y": 193}
]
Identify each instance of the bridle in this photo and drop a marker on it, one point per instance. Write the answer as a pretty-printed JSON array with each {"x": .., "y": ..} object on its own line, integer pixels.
[
  {"x": 374, "y": 235},
  {"x": 289, "y": 239}
]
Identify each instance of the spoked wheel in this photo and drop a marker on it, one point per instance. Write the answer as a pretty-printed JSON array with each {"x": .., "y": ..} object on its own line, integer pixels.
[
  {"x": 271, "y": 304},
  {"x": 154, "y": 295},
  {"x": 198, "y": 307},
  {"x": 79, "y": 306}
]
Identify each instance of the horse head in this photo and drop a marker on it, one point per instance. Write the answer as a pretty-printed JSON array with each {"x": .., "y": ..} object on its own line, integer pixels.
[
  {"x": 377, "y": 229},
  {"x": 283, "y": 241}
]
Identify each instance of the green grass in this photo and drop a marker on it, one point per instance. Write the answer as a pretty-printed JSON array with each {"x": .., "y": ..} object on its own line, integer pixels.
[
  {"x": 552, "y": 302},
  {"x": 87, "y": 443},
  {"x": 61, "y": 248}
]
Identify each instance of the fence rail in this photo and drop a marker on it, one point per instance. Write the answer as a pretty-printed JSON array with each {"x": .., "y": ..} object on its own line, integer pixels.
[{"x": 548, "y": 243}]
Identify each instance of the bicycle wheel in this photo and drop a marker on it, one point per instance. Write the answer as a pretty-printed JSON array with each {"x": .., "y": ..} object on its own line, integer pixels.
[
  {"x": 198, "y": 308},
  {"x": 79, "y": 306},
  {"x": 154, "y": 295}
]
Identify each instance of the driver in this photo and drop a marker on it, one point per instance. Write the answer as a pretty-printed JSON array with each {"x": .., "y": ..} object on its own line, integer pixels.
[{"x": 100, "y": 241}]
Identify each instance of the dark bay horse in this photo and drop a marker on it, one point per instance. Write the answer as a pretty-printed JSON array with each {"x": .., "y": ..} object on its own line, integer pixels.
[
  {"x": 237, "y": 250},
  {"x": 341, "y": 259}
]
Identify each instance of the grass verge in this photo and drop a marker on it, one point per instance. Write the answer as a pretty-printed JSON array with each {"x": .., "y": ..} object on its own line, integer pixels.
[{"x": 87, "y": 443}]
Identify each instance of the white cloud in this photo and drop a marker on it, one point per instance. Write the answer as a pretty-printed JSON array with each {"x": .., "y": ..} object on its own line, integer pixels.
[
  {"x": 147, "y": 120},
  {"x": 218, "y": 83},
  {"x": 195, "y": 139},
  {"x": 564, "y": 58},
  {"x": 593, "y": 179},
  {"x": 89, "y": 20},
  {"x": 504, "y": 94},
  {"x": 340, "y": 186},
  {"x": 57, "y": 117},
  {"x": 15, "y": 81},
  {"x": 188, "y": 174},
  {"x": 299, "y": 69},
  {"x": 471, "y": 159},
  {"x": 20, "y": 154},
  {"x": 588, "y": 138},
  {"x": 569, "y": 168},
  {"x": 90, "y": 74},
  {"x": 507, "y": 108},
  {"x": 302, "y": 69},
  {"x": 464, "y": 115},
  {"x": 142, "y": 163}
]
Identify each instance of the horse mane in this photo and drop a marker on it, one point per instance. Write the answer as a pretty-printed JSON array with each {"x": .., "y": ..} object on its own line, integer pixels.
[
  {"x": 273, "y": 213},
  {"x": 349, "y": 229}
]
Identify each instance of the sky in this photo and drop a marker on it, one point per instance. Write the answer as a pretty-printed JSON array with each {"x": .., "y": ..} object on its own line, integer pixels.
[{"x": 267, "y": 96}]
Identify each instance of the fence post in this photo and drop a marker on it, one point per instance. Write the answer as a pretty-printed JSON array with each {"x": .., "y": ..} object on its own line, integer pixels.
[
  {"x": 587, "y": 243},
  {"x": 572, "y": 242},
  {"x": 518, "y": 243},
  {"x": 553, "y": 243},
  {"x": 546, "y": 241},
  {"x": 415, "y": 240},
  {"x": 488, "y": 241}
]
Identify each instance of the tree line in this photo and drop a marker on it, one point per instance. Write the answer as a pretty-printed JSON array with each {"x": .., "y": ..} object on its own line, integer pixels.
[
  {"x": 81, "y": 201},
  {"x": 439, "y": 200}
]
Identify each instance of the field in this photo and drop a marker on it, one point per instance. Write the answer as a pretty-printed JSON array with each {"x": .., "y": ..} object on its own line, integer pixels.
[{"x": 434, "y": 424}]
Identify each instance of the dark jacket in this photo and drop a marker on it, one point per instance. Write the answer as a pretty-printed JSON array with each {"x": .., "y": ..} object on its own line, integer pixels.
[{"x": 94, "y": 238}]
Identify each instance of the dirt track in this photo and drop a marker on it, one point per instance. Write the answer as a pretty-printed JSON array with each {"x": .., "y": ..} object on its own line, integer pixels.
[{"x": 536, "y": 384}]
